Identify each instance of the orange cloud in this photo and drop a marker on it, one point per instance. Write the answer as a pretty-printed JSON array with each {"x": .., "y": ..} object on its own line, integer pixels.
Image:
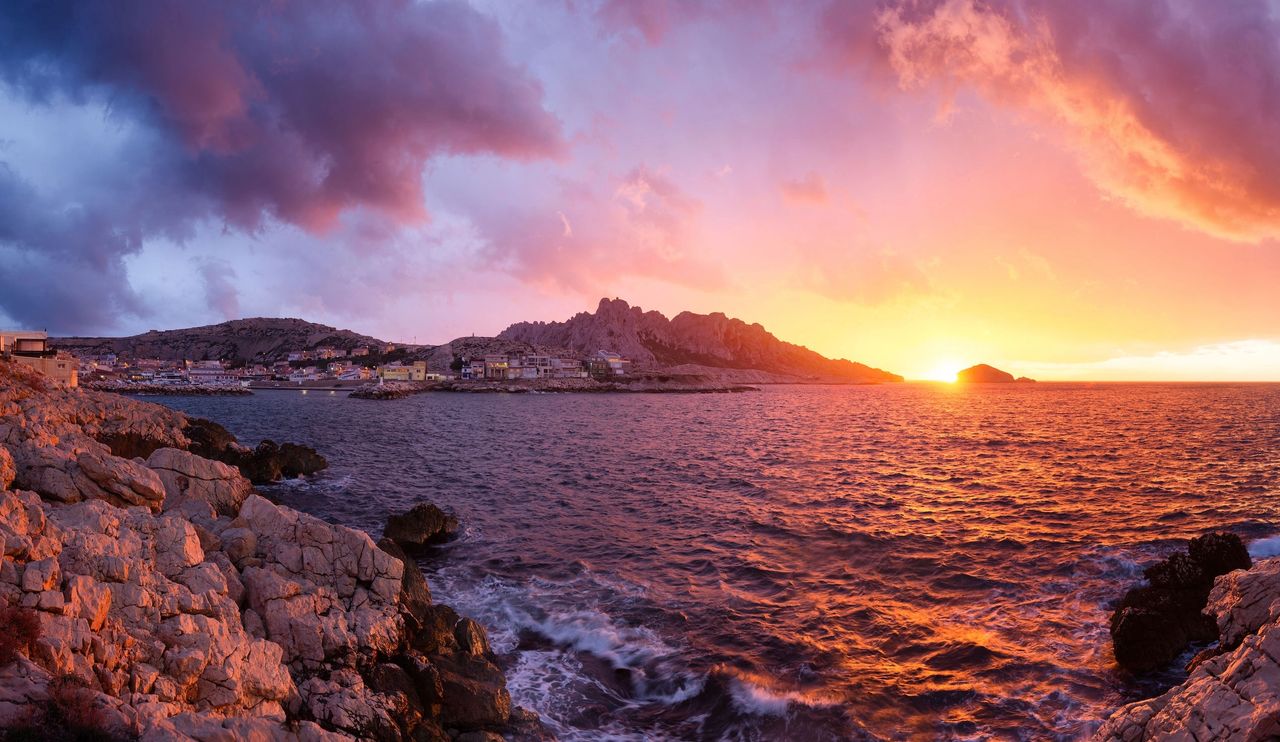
[{"x": 1166, "y": 159}]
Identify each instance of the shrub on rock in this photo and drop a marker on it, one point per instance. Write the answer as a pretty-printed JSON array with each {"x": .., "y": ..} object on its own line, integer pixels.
[{"x": 19, "y": 628}]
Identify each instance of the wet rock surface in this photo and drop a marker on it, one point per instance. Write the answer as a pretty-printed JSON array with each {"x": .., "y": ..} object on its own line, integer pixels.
[
  {"x": 422, "y": 525},
  {"x": 268, "y": 462},
  {"x": 1233, "y": 693},
  {"x": 166, "y": 601},
  {"x": 1155, "y": 623}
]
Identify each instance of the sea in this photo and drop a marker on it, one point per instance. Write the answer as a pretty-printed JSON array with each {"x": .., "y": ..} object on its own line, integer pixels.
[{"x": 906, "y": 561}]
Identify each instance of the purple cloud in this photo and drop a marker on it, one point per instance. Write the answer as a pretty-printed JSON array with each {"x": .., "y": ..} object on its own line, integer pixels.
[{"x": 289, "y": 111}]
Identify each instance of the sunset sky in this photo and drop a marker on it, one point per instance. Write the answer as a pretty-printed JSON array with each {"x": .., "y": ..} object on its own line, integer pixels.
[{"x": 1084, "y": 190}]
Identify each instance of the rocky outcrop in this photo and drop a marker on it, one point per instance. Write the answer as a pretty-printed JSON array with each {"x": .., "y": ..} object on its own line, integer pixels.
[
  {"x": 1155, "y": 623},
  {"x": 1234, "y": 692},
  {"x": 268, "y": 462},
  {"x": 650, "y": 340},
  {"x": 422, "y": 525},
  {"x": 161, "y": 599},
  {"x": 984, "y": 374},
  {"x": 186, "y": 477}
]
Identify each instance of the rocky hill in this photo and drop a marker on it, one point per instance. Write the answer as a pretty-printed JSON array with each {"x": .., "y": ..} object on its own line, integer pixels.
[
  {"x": 712, "y": 341},
  {"x": 255, "y": 340},
  {"x": 984, "y": 374}
]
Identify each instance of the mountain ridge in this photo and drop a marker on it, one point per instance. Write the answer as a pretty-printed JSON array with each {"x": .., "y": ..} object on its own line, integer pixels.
[
  {"x": 715, "y": 341},
  {"x": 711, "y": 344}
]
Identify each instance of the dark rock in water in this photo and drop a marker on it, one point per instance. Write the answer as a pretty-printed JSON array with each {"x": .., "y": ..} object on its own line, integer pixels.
[
  {"x": 424, "y": 524},
  {"x": 299, "y": 461},
  {"x": 207, "y": 438},
  {"x": 269, "y": 462},
  {"x": 1152, "y": 625}
]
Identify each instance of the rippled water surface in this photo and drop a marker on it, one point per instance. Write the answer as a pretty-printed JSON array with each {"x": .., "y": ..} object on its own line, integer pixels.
[{"x": 904, "y": 561}]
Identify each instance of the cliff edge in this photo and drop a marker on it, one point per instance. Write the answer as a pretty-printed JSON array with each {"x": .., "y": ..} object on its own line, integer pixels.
[{"x": 162, "y": 599}]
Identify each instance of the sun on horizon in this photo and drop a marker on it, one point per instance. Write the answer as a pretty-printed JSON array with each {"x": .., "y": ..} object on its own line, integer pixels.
[{"x": 944, "y": 371}]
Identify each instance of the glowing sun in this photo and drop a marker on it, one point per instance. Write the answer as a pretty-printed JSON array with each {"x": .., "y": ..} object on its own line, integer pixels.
[{"x": 943, "y": 371}]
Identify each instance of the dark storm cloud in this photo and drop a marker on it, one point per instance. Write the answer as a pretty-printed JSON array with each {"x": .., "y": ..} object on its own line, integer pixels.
[{"x": 296, "y": 111}]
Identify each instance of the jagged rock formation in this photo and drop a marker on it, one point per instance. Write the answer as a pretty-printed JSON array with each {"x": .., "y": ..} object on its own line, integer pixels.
[
  {"x": 422, "y": 525},
  {"x": 162, "y": 599},
  {"x": 1155, "y": 623},
  {"x": 256, "y": 340},
  {"x": 984, "y": 374},
  {"x": 713, "y": 341},
  {"x": 1234, "y": 694}
]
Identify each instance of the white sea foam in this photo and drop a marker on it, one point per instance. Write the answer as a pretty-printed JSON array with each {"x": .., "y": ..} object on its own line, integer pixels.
[
  {"x": 752, "y": 697},
  {"x": 1265, "y": 548}
]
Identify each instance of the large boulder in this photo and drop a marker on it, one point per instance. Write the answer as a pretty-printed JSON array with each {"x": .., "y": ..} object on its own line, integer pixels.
[
  {"x": 1244, "y": 601},
  {"x": 119, "y": 481},
  {"x": 189, "y": 477},
  {"x": 422, "y": 525},
  {"x": 324, "y": 592},
  {"x": 1155, "y": 623},
  {"x": 475, "y": 693}
]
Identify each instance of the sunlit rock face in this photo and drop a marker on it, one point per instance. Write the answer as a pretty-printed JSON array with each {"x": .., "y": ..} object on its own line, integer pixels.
[
  {"x": 709, "y": 341},
  {"x": 163, "y": 598}
]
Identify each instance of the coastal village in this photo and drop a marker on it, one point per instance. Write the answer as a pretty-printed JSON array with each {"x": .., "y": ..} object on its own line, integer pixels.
[{"x": 337, "y": 366}]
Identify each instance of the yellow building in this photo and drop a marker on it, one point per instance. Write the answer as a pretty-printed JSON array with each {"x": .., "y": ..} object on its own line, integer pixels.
[
  {"x": 32, "y": 349},
  {"x": 398, "y": 372}
]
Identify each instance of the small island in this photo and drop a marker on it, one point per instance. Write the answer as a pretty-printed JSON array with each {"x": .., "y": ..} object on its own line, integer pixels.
[{"x": 984, "y": 374}]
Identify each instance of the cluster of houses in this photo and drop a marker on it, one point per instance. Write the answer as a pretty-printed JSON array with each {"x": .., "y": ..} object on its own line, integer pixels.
[
  {"x": 214, "y": 373},
  {"x": 323, "y": 364},
  {"x": 31, "y": 348},
  {"x": 512, "y": 367},
  {"x": 319, "y": 364},
  {"x": 327, "y": 354}
]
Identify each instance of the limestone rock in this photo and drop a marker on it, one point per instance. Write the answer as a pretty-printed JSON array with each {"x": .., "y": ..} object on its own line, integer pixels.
[
  {"x": 189, "y": 477},
  {"x": 7, "y": 470},
  {"x": 131, "y": 482},
  {"x": 1234, "y": 696},
  {"x": 177, "y": 605},
  {"x": 1245, "y": 600}
]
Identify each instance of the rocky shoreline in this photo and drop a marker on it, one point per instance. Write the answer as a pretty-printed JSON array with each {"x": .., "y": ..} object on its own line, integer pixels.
[
  {"x": 157, "y": 597},
  {"x": 642, "y": 385},
  {"x": 1232, "y": 691},
  {"x": 186, "y": 390}
]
